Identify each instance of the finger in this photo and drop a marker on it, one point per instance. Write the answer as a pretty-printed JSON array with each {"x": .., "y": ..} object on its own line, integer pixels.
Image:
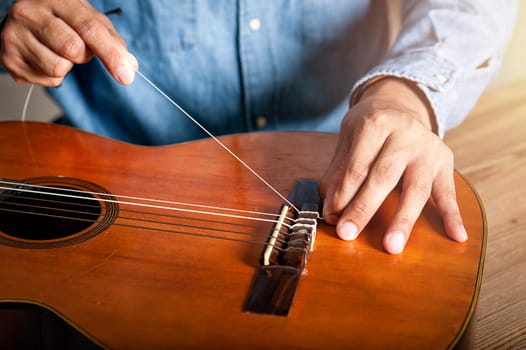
[
  {"x": 14, "y": 70},
  {"x": 63, "y": 40},
  {"x": 100, "y": 37},
  {"x": 26, "y": 59},
  {"x": 384, "y": 175},
  {"x": 445, "y": 198},
  {"x": 24, "y": 56},
  {"x": 416, "y": 189},
  {"x": 44, "y": 60},
  {"x": 43, "y": 23},
  {"x": 25, "y": 73},
  {"x": 355, "y": 156}
]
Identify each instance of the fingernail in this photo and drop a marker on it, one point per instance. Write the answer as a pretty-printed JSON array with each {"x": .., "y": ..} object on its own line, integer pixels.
[
  {"x": 329, "y": 217},
  {"x": 348, "y": 231},
  {"x": 462, "y": 234},
  {"x": 133, "y": 62},
  {"x": 395, "y": 242},
  {"x": 125, "y": 74}
]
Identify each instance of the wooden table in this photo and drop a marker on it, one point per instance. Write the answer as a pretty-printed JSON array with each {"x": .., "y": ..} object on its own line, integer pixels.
[{"x": 490, "y": 150}]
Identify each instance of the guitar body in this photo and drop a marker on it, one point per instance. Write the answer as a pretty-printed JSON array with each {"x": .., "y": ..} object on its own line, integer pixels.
[{"x": 138, "y": 280}]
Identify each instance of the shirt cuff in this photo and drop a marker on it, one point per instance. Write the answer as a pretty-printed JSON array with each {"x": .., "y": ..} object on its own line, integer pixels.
[{"x": 433, "y": 76}]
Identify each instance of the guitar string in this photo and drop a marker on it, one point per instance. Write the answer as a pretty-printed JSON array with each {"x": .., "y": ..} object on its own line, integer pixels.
[
  {"x": 158, "y": 229},
  {"x": 72, "y": 212},
  {"x": 72, "y": 190},
  {"x": 281, "y": 241},
  {"x": 26, "y": 103},
  {"x": 24, "y": 114},
  {"x": 137, "y": 219},
  {"x": 121, "y": 209},
  {"x": 154, "y": 214},
  {"x": 121, "y": 202},
  {"x": 68, "y": 214}
]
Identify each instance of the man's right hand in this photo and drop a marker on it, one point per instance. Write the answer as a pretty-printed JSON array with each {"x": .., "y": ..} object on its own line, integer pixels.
[{"x": 42, "y": 39}]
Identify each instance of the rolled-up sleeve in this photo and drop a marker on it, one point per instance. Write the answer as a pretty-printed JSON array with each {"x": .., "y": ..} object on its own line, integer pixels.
[
  {"x": 4, "y": 8},
  {"x": 451, "y": 49}
]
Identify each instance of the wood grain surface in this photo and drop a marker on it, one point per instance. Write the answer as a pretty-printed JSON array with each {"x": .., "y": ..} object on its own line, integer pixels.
[{"x": 490, "y": 150}]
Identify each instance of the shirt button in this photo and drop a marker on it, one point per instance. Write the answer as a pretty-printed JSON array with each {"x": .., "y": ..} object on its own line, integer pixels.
[
  {"x": 440, "y": 77},
  {"x": 261, "y": 122},
  {"x": 254, "y": 24}
]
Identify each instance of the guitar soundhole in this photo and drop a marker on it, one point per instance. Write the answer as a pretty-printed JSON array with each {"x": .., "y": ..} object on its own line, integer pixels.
[{"x": 53, "y": 212}]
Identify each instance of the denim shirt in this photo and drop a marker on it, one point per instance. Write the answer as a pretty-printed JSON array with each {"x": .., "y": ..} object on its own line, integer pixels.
[{"x": 250, "y": 65}]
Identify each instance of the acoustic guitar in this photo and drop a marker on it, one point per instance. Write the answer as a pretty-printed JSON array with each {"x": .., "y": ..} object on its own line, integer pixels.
[{"x": 131, "y": 247}]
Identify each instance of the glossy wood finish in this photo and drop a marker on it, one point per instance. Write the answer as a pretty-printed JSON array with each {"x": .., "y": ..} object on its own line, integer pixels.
[
  {"x": 490, "y": 150},
  {"x": 133, "y": 288}
]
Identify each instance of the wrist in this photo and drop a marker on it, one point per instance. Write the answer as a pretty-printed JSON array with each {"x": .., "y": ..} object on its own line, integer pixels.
[{"x": 389, "y": 90}]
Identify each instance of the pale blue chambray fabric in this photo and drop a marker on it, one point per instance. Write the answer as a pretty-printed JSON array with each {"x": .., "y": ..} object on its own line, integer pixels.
[{"x": 251, "y": 65}]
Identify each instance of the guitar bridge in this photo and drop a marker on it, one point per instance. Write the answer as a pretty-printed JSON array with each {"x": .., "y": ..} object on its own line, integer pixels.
[{"x": 284, "y": 257}]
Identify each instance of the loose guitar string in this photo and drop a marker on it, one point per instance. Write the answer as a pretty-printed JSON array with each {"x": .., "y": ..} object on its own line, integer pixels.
[
  {"x": 243, "y": 163},
  {"x": 23, "y": 118},
  {"x": 26, "y": 102},
  {"x": 285, "y": 200}
]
